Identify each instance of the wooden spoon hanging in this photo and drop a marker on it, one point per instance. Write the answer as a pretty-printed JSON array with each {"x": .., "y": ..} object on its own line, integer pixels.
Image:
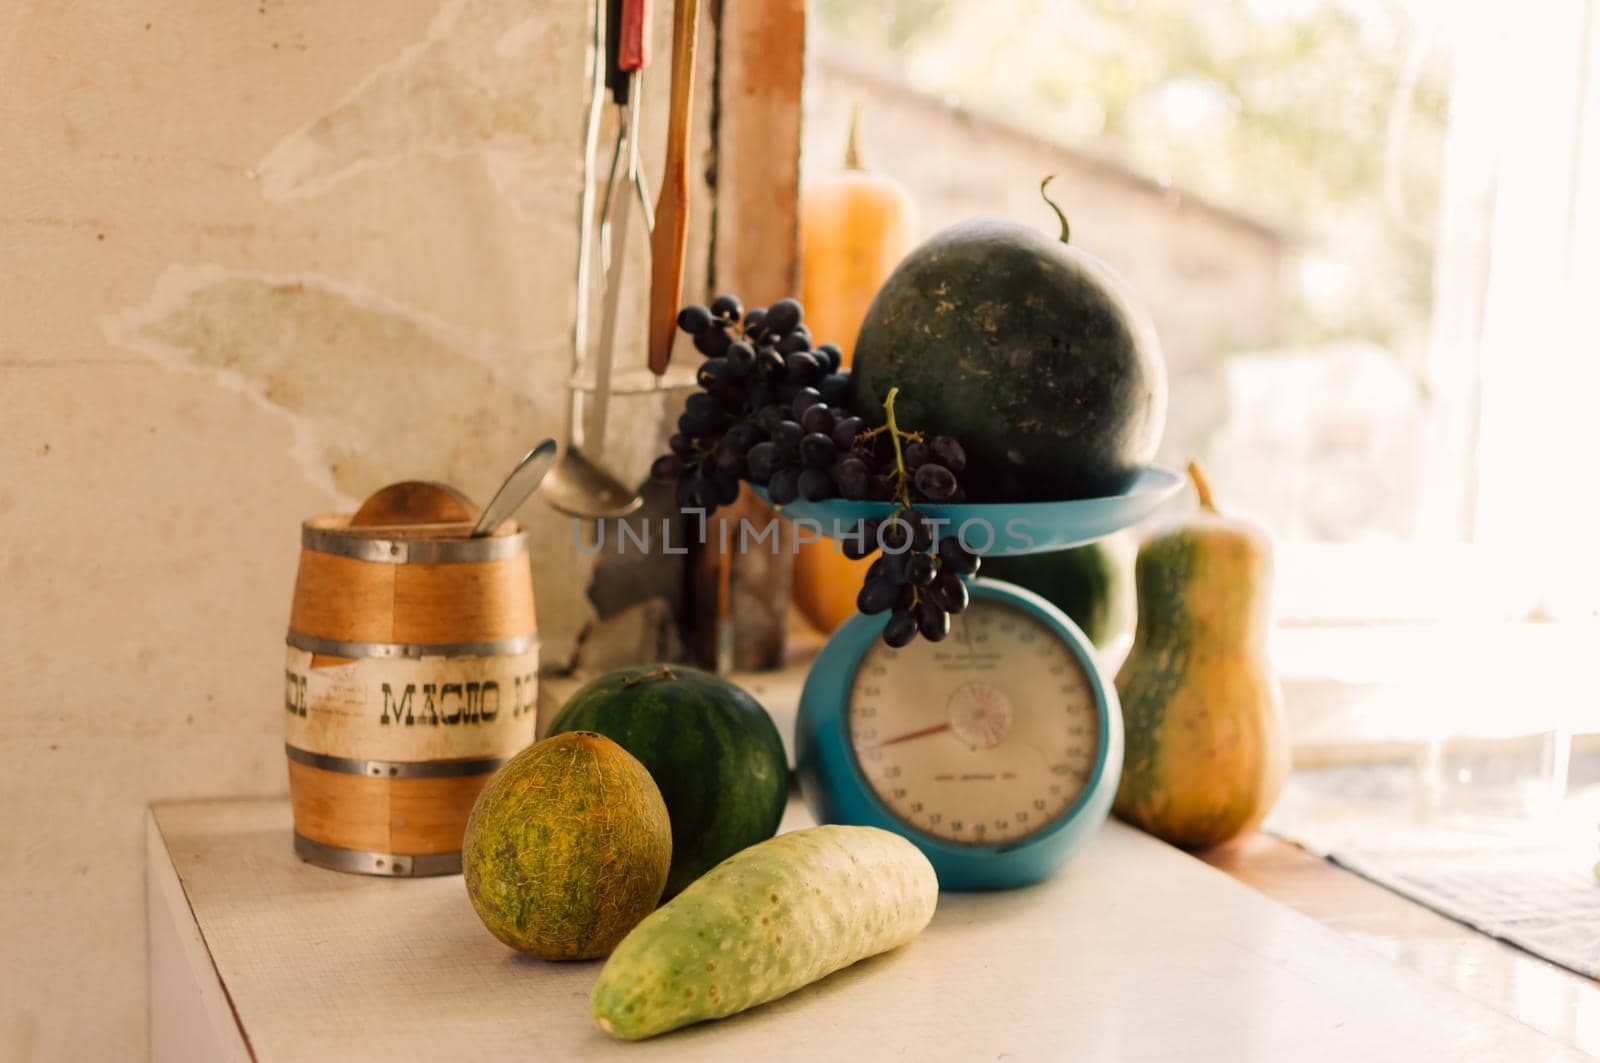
[{"x": 671, "y": 234}]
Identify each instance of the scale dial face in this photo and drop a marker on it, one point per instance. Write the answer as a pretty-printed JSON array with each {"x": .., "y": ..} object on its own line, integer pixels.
[{"x": 982, "y": 739}]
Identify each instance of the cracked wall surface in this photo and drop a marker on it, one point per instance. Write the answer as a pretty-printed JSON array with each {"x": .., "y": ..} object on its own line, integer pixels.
[{"x": 256, "y": 260}]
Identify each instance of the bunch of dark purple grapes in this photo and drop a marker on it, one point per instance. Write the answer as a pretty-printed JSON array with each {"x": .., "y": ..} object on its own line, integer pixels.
[
  {"x": 916, "y": 578},
  {"x": 770, "y": 408},
  {"x": 774, "y": 409}
]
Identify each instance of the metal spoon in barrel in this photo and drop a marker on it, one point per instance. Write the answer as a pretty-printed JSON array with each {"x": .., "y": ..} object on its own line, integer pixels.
[{"x": 523, "y": 481}]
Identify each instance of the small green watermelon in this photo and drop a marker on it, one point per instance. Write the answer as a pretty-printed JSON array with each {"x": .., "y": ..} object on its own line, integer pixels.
[
  {"x": 1032, "y": 353},
  {"x": 711, "y": 748}
]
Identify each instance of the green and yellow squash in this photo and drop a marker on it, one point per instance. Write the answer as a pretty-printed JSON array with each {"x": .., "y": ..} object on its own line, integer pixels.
[{"x": 1207, "y": 750}]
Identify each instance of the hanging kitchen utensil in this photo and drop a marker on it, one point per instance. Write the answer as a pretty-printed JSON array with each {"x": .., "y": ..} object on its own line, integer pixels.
[
  {"x": 670, "y": 236},
  {"x": 628, "y": 51},
  {"x": 578, "y": 486},
  {"x": 628, "y": 46}
]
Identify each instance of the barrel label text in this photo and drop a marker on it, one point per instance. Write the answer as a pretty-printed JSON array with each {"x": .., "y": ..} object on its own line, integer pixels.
[
  {"x": 449, "y": 704},
  {"x": 407, "y": 709}
]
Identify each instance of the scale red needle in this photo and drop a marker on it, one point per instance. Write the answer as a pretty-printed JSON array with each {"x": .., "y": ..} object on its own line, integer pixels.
[{"x": 909, "y": 735}]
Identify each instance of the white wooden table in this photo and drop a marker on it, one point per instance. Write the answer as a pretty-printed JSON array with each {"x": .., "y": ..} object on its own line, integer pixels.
[{"x": 1135, "y": 952}]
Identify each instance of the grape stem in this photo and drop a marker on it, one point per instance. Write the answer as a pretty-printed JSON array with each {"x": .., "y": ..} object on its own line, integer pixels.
[
  {"x": 902, "y": 478},
  {"x": 701, "y": 455},
  {"x": 894, "y": 434}
]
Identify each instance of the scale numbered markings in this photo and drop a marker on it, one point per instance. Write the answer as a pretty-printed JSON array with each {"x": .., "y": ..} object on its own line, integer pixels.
[{"x": 982, "y": 739}]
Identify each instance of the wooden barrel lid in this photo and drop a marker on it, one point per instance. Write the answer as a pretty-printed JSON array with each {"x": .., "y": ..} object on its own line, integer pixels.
[
  {"x": 414, "y": 521},
  {"x": 415, "y": 502}
]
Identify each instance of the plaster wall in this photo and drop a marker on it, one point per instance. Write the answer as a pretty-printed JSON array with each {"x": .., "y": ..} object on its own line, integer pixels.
[{"x": 256, "y": 260}]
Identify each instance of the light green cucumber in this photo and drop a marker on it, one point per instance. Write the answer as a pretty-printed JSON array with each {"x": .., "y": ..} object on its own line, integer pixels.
[{"x": 763, "y": 923}]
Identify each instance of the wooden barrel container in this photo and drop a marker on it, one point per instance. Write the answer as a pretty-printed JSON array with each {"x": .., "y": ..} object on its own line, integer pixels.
[{"x": 412, "y": 662}]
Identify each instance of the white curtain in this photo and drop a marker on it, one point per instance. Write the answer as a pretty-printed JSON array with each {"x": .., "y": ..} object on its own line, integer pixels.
[{"x": 1515, "y": 361}]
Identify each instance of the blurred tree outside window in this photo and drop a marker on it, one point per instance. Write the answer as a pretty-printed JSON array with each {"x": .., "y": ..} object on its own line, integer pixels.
[
  {"x": 1287, "y": 111},
  {"x": 1369, "y": 232}
]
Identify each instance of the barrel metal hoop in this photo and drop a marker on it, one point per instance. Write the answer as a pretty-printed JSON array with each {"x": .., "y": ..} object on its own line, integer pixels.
[
  {"x": 511, "y": 647},
  {"x": 392, "y": 865},
  {"x": 395, "y": 769},
  {"x": 412, "y": 551}
]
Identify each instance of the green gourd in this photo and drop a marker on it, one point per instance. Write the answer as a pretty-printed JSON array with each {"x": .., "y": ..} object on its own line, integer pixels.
[{"x": 763, "y": 923}]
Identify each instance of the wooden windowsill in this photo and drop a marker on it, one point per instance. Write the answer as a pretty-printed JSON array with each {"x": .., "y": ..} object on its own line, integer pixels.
[{"x": 1549, "y": 998}]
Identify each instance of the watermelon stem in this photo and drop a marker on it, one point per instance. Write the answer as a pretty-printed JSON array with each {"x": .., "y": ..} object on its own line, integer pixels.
[
  {"x": 660, "y": 671},
  {"x": 1202, "y": 487},
  {"x": 1066, "y": 230}
]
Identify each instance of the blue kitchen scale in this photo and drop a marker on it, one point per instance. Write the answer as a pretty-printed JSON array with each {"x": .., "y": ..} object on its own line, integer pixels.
[{"x": 996, "y": 751}]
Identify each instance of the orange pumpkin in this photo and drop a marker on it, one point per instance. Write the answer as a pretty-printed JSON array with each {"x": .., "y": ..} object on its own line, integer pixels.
[{"x": 854, "y": 229}]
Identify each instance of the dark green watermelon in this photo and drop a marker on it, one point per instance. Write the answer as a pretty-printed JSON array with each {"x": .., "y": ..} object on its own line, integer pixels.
[
  {"x": 1087, "y": 583},
  {"x": 1030, "y": 352},
  {"x": 711, "y": 748}
]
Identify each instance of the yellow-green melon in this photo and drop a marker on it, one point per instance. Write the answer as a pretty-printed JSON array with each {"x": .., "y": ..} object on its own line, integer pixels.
[{"x": 567, "y": 848}]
